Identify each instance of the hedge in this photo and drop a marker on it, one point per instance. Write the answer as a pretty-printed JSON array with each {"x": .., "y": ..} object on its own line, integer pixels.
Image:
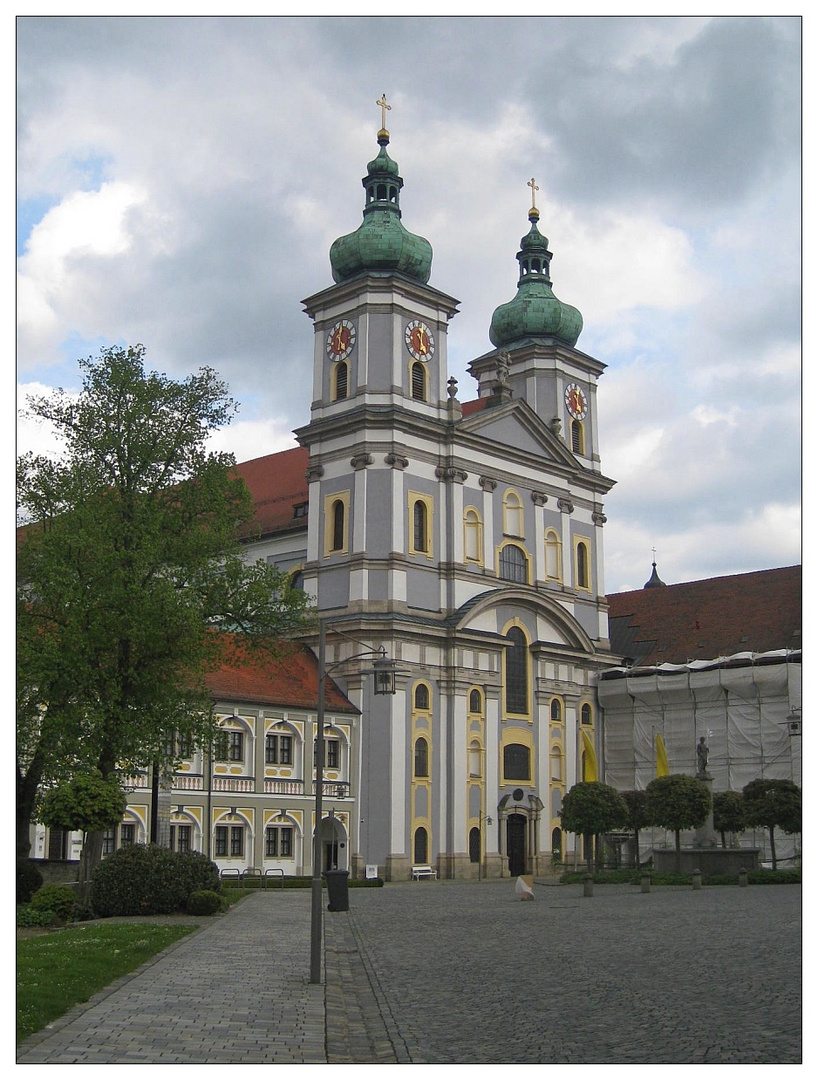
[{"x": 149, "y": 880}]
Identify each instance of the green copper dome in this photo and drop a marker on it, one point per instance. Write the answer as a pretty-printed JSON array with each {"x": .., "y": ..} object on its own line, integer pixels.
[
  {"x": 535, "y": 311},
  {"x": 381, "y": 244}
]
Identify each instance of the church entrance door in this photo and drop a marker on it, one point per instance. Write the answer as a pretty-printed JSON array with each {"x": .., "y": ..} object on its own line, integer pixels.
[{"x": 516, "y": 844}]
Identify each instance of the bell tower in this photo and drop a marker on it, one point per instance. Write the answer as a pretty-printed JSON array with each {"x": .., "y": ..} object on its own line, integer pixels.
[
  {"x": 535, "y": 334},
  {"x": 381, "y": 405}
]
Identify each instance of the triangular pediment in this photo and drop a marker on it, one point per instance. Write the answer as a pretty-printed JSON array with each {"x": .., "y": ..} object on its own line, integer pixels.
[{"x": 515, "y": 426}]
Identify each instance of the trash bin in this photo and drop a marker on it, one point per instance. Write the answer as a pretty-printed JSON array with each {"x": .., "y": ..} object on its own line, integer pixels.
[{"x": 338, "y": 889}]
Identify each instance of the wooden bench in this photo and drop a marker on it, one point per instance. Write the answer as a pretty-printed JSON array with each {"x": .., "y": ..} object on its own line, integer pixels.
[{"x": 419, "y": 872}]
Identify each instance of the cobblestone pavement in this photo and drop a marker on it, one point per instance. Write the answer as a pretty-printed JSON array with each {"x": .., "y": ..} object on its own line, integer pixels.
[
  {"x": 456, "y": 972},
  {"x": 472, "y": 975},
  {"x": 235, "y": 992}
]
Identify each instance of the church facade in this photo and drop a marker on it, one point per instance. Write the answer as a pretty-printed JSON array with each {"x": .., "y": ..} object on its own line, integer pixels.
[{"x": 463, "y": 539}]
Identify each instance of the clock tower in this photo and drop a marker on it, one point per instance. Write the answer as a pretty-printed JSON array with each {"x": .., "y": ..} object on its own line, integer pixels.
[
  {"x": 381, "y": 407},
  {"x": 537, "y": 332}
]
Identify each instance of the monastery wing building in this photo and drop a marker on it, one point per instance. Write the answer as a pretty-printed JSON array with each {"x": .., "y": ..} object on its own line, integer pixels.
[{"x": 464, "y": 539}]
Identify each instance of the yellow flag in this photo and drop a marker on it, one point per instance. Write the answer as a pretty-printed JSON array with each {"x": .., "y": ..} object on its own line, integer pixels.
[
  {"x": 662, "y": 767},
  {"x": 591, "y": 772}
]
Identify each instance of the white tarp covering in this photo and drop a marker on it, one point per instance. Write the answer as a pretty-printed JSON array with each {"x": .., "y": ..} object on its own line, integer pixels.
[{"x": 740, "y": 704}]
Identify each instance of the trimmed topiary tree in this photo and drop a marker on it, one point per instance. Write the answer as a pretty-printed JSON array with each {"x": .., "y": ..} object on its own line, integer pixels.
[
  {"x": 772, "y": 804},
  {"x": 636, "y": 802},
  {"x": 590, "y": 808},
  {"x": 728, "y": 814},
  {"x": 677, "y": 802},
  {"x": 87, "y": 803},
  {"x": 150, "y": 880}
]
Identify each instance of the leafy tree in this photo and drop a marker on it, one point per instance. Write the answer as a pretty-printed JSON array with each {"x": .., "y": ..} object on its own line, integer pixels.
[
  {"x": 86, "y": 803},
  {"x": 590, "y": 808},
  {"x": 677, "y": 802},
  {"x": 728, "y": 813},
  {"x": 128, "y": 561},
  {"x": 773, "y": 803},
  {"x": 636, "y": 802}
]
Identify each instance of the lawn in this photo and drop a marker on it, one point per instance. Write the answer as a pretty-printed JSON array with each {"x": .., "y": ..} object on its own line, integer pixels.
[{"x": 65, "y": 967}]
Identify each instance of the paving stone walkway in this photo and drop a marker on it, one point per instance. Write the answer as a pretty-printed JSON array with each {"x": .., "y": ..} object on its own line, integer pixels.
[{"x": 457, "y": 972}]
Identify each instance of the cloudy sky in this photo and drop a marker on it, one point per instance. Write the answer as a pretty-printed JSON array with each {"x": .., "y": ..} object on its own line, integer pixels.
[{"x": 180, "y": 181}]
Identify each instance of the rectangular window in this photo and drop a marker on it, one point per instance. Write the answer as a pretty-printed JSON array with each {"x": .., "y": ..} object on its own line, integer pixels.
[
  {"x": 236, "y": 746},
  {"x": 220, "y": 746},
  {"x": 184, "y": 838},
  {"x": 109, "y": 842},
  {"x": 333, "y": 748},
  {"x": 184, "y": 746},
  {"x": 278, "y": 750},
  {"x": 332, "y": 754},
  {"x": 279, "y": 842},
  {"x": 221, "y": 840},
  {"x": 127, "y": 834},
  {"x": 236, "y": 839}
]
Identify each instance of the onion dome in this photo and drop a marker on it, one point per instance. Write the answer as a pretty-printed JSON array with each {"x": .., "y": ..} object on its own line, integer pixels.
[
  {"x": 534, "y": 312},
  {"x": 655, "y": 581},
  {"x": 381, "y": 244}
]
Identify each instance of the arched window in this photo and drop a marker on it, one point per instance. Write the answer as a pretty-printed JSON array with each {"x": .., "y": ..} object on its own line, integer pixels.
[
  {"x": 577, "y": 437},
  {"x": 475, "y": 701},
  {"x": 338, "y": 525},
  {"x": 516, "y": 762},
  {"x": 586, "y": 714},
  {"x": 516, "y": 665},
  {"x": 422, "y": 697},
  {"x": 472, "y": 536},
  {"x": 420, "y": 526},
  {"x": 421, "y": 757},
  {"x": 513, "y": 564},
  {"x": 512, "y": 514},
  {"x": 556, "y": 842},
  {"x": 583, "y": 566},
  {"x": 474, "y": 844},
  {"x": 341, "y": 381},
  {"x": 421, "y": 846},
  {"x": 553, "y": 556},
  {"x": 418, "y": 381},
  {"x": 556, "y": 711}
]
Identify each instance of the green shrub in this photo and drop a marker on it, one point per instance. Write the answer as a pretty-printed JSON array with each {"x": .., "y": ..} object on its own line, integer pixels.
[
  {"x": 29, "y": 880},
  {"x": 204, "y": 902},
  {"x": 149, "y": 880},
  {"x": 29, "y": 916},
  {"x": 60, "y": 899}
]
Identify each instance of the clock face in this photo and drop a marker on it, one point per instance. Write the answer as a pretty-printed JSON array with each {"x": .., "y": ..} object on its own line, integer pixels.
[
  {"x": 575, "y": 401},
  {"x": 341, "y": 340},
  {"x": 419, "y": 340}
]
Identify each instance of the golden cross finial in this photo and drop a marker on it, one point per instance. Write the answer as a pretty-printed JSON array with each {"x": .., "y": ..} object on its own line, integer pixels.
[
  {"x": 534, "y": 187},
  {"x": 384, "y": 108}
]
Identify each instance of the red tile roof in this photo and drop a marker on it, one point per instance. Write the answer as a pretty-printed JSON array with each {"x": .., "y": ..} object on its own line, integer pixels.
[
  {"x": 701, "y": 620},
  {"x": 277, "y": 483},
  {"x": 291, "y": 681}
]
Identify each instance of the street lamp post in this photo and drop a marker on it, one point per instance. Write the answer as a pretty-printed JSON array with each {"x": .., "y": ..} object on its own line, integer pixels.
[{"x": 384, "y": 672}]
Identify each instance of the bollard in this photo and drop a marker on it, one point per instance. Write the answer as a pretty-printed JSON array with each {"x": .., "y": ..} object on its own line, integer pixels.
[
  {"x": 742, "y": 878},
  {"x": 646, "y": 883},
  {"x": 588, "y": 888},
  {"x": 697, "y": 879}
]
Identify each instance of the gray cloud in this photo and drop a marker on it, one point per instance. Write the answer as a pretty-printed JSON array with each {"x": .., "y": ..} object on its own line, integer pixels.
[{"x": 667, "y": 151}]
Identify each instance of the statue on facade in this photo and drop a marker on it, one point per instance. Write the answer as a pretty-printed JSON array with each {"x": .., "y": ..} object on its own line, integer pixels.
[{"x": 702, "y": 752}]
